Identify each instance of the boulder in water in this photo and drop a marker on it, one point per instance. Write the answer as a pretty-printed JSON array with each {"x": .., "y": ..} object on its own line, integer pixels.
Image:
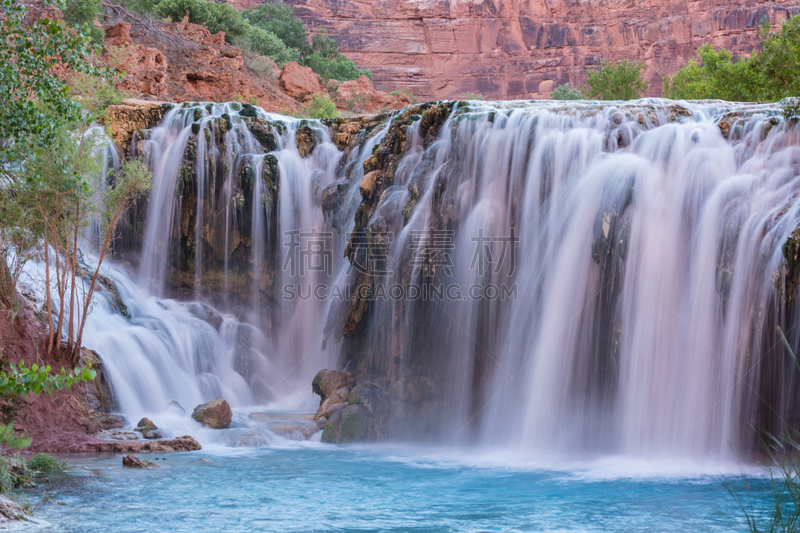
[
  {"x": 145, "y": 423},
  {"x": 148, "y": 429},
  {"x": 131, "y": 461},
  {"x": 216, "y": 414},
  {"x": 333, "y": 387},
  {"x": 326, "y": 382}
]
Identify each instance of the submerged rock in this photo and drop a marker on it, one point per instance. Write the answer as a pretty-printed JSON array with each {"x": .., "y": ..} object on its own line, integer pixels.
[
  {"x": 216, "y": 414},
  {"x": 178, "y": 444},
  {"x": 131, "y": 461}
]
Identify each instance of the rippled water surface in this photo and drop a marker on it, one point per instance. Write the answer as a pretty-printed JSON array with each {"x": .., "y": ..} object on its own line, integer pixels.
[{"x": 316, "y": 487}]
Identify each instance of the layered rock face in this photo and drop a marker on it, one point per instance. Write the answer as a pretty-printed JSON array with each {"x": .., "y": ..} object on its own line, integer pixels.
[{"x": 524, "y": 48}]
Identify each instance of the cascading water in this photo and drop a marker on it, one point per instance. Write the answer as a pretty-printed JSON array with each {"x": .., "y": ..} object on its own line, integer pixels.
[{"x": 650, "y": 261}]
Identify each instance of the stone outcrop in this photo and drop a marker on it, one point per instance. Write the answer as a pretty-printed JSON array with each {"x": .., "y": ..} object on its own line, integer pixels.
[
  {"x": 182, "y": 62},
  {"x": 133, "y": 115},
  {"x": 523, "y": 49},
  {"x": 131, "y": 461},
  {"x": 301, "y": 83},
  {"x": 350, "y": 412},
  {"x": 11, "y": 510},
  {"x": 215, "y": 414},
  {"x": 148, "y": 429},
  {"x": 178, "y": 444},
  {"x": 358, "y": 95}
]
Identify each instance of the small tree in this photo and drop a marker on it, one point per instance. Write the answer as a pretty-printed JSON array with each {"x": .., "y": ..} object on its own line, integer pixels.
[
  {"x": 617, "y": 81},
  {"x": 563, "y": 92},
  {"x": 320, "y": 106}
]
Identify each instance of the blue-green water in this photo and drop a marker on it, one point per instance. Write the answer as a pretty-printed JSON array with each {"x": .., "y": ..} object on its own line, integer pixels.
[{"x": 315, "y": 487}]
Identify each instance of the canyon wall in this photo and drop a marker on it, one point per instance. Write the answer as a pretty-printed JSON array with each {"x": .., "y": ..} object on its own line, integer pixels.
[{"x": 509, "y": 49}]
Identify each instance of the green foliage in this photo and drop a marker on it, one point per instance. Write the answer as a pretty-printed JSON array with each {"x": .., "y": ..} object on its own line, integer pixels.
[
  {"x": 215, "y": 16},
  {"x": 280, "y": 20},
  {"x": 82, "y": 14},
  {"x": 35, "y": 100},
  {"x": 472, "y": 96},
  {"x": 563, "y": 92},
  {"x": 21, "y": 380},
  {"x": 45, "y": 464},
  {"x": 272, "y": 30},
  {"x": 715, "y": 75},
  {"x": 267, "y": 44},
  {"x": 320, "y": 106},
  {"x": 14, "y": 473},
  {"x": 96, "y": 93},
  {"x": 11, "y": 440},
  {"x": 770, "y": 74},
  {"x": 791, "y": 108},
  {"x": 617, "y": 81},
  {"x": 336, "y": 67}
]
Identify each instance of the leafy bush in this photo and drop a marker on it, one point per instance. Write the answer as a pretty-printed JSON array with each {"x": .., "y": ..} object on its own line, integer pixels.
[
  {"x": 563, "y": 92},
  {"x": 320, "y": 106},
  {"x": 715, "y": 75},
  {"x": 265, "y": 43},
  {"x": 82, "y": 14},
  {"x": 14, "y": 473},
  {"x": 216, "y": 17},
  {"x": 770, "y": 74},
  {"x": 334, "y": 68},
  {"x": 272, "y": 29},
  {"x": 21, "y": 379},
  {"x": 45, "y": 464},
  {"x": 617, "y": 81},
  {"x": 280, "y": 20},
  {"x": 472, "y": 96}
]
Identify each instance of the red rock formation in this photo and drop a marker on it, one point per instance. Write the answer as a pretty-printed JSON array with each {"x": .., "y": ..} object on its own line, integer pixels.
[
  {"x": 524, "y": 48},
  {"x": 183, "y": 62},
  {"x": 300, "y": 82},
  {"x": 360, "y": 94}
]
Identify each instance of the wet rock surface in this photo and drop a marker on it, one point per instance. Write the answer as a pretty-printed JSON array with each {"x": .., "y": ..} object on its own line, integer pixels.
[
  {"x": 349, "y": 412},
  {"x": 11, "y": 510},
  {"x": 215, "y": 414},
  {"x": 131, "y": 461}
]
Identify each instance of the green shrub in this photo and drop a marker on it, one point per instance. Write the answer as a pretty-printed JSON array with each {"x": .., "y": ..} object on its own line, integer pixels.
[
  {"x": 771, "y": 73},
  {"x": 334, "y": 68},
  {"x": 320, "y": 106},
  {"x": 617, "y": 81},
  {"x": 45, "y": 464},
  {"x": 15, "y": 473},
  {"x": 265, "y": 43},
  {"x": 563, "y": 92},
  {"x": 280, "y": 20},
  {"x": 472, "y": 96},
  {"x": 715, "y": 75},
  {"x": 82, "y": 14},
  {"x": 216, "y": 17}
]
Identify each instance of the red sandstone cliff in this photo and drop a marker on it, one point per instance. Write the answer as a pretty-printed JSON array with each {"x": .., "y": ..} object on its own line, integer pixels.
[
  {"x": 183, "y": 62},
  {"x": 524, "y": 48}
]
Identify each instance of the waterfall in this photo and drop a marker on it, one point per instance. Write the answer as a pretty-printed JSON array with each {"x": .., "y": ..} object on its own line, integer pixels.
[{"x": 645, "y": 255}]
